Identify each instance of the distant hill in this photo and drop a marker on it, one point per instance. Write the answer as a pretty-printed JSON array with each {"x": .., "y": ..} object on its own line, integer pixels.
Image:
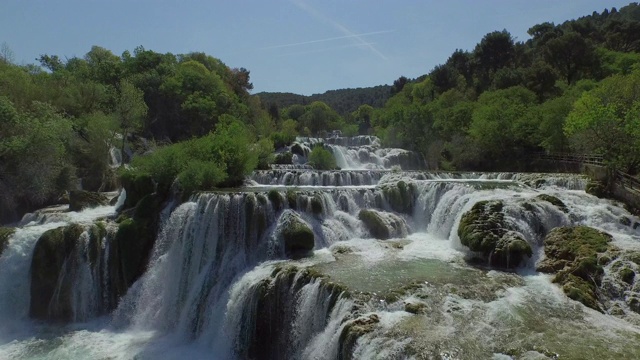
[{"x": 343, "y": 101}]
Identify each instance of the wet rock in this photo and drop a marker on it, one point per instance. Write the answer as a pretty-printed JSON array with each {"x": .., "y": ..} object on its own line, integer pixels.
[
  {"x": 49, "y": 255},
  {"x": 297, "y": 149},
  {"x": 482, "y": 229},
  {"x": 554, "y": 201},
  {"x": 415, "y": 308},
  {"x": 400, "y": 196},
  {"x": 354, "y": 330},
  {"x": 276, "y": 199},
  {"x": 625, "y": 221},
  {"x": 382, "y": 225},
  {"x": 297, "y": 235},
  {"x": 596, "y": 188},
  {"x": 137, "y": 186},
  {"x": 573, "y": 252},
  {"x": 80, "y": 199}
]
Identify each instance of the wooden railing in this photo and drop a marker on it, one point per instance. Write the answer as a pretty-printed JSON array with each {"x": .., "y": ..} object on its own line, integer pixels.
[{"x": 628, "y": 181}]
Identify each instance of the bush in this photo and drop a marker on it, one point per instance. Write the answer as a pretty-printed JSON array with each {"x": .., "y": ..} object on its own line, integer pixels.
[
  {"x": 222, "y": 158},
  {"x": 322, "y": 159}
]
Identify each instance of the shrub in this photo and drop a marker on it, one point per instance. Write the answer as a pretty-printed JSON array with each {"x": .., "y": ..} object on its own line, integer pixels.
[{"x": 322, "y": 159}]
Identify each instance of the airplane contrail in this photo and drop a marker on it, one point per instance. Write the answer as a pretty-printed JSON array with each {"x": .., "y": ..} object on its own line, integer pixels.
[
  {"x": 328, "y": 39},
  {"x": 326, "y": 49},
  {"x": 347, "y": 33}
]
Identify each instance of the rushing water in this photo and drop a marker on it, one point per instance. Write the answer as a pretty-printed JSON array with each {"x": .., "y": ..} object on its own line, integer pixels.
[{"x": 219, "y": 284}]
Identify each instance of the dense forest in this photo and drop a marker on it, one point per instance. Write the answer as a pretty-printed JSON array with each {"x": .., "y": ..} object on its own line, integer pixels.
[
  {"x": 343, "y": 101},
  {"x": 571, "y": 87}
]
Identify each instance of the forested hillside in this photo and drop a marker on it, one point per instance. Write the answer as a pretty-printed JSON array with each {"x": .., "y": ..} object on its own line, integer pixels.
[
  {"x": 343, "y": 101},
  {"x": 571, "y": 87}
]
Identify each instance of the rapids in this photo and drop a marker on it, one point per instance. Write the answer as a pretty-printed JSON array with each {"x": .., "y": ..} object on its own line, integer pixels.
[{"x": 219, "y": 283}]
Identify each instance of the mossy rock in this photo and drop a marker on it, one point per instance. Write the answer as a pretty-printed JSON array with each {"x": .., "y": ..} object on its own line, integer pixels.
[
  {"x": 415, "y": 308},
  {"x": 352, "y": 331},
  {"x": 400, "y": 196},
  {"x": 49, "y": 255},
  {"x": 80, "y": 199},
  {"x": 297, "y": 149},
  {"x": 624, "y": 221},
  {"x": 5, "y": 234},
  {"x": 297, "y": 235},
  {"x": 292, "y": 199},
  {"x": 554, "y": 201},
  {"x": 132, "y": 244},
  {"x": 577, "y": 253},
  {"x": 597, "y": 188},
  {"x": 276, "y": 199},
  {"x": 285, "y": 158},
  {"x": 375, "y": 224},
  {"x": 482, "y": 229},
  {"x": 316, "y": 205},
  {"x": 137, "y": 187},
  {"x": 627, "y": 275}
]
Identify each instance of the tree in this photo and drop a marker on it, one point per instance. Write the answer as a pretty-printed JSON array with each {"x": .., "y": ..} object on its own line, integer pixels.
[
  {"x": 606, "y": 120},
  {"x": 130, "y": 110},
  {"x": 571, "y": 55}
]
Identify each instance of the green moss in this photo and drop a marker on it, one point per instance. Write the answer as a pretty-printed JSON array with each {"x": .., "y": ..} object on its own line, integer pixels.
[
  {"x": 137, "y": 186},
  {"x": 415, "y": 308},
  {"x": 375, "y": 224},
  {"x": 554, "y": 201},
  {"x": 400, "y": 196},
  {"x": 627, "y": 275},
  {"x": 284, "y": 158},
  {"x": 5, "y": 234},
  {"x": 578, "y": 253},
  {"x": 298, "y": 237},
  {"x": 528, "y": 207},
  {"x": 625, "y": 221},
  {"x": 597, "y": 188},
  {"x": 292, "y": 199},
  {"x": 482, "y": 229},
  {"x": 276, "y": 199},
  {"x": 49, "y": 255},
  {"x": 316, "y": 205}
]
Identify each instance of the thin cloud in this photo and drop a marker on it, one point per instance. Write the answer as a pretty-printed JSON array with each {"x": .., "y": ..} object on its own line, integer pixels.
[
  {"x": 347, "y": 33},
  {"x": 327, "y": 49},
  {"x": 328, "y": 39}
]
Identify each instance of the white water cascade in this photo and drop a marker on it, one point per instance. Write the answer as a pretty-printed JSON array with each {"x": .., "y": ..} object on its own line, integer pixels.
[{"x": 220, "y": 284}]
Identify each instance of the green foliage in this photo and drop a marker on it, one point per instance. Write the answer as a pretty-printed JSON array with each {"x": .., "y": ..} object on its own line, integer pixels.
[
  {"x": 606, "y": 120},
  {"x": 222, "y": 158},
  {"x": 322, "y": 159}
]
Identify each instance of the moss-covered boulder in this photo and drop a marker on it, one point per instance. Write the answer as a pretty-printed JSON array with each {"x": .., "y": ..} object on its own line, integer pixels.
[
  {"x": 49, "y": 255},
  {"x": 297, "y": 235},
  {"x": 353, "y": 330},
  {"x": 137, "y": 187},
  {"x": 597, "y": 188},
  {"x": 483, "y": 229},
  {"x": 131, "y": 247},
  {"x": 297, "y": 149},
  {"x": 284, "y": 158},
  {"x": 573, "y": 253},
  {"x": 5, "y": 234},
  {"x": 382, "y": 225},
  {"x": 277, "y": 200},
  {"x": 80, "y": 199},
  {"x": 400, "y": 196},
  {"x": 554, "y": 201}
]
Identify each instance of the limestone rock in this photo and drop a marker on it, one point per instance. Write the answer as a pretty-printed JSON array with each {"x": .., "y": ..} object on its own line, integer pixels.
[
  {"x": 297, "y": 235},
  {"x": 80, "y": 199}
]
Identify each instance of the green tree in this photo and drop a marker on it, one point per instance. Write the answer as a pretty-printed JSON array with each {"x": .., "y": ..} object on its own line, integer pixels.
[{"x": 130, "y": 110}]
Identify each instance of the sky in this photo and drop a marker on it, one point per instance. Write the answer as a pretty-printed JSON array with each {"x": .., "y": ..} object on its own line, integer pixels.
[{"x": 299, "y": 46}]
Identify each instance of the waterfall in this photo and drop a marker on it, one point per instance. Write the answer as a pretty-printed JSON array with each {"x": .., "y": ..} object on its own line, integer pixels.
[{"x": 391, "y": 281}]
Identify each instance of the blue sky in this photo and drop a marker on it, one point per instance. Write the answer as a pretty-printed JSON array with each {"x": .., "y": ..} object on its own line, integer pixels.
[{"x": 301, "y": 46}]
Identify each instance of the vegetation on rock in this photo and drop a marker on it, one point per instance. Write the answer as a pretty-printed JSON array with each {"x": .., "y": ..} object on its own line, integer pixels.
[
  {"x": 79, "y": 200},
  {"x": 322, "y": 159},
  {"x": 573, "y": 253},
  {"x": 554, "y": 201},
  {"x": 483, "y": 229},
  {"x": 297, "y": 235},
  {"x": 5, "y": 234}
]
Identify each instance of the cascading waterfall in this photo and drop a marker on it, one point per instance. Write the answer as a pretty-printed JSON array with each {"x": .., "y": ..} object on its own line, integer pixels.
[{"x": 220, "y": 282}]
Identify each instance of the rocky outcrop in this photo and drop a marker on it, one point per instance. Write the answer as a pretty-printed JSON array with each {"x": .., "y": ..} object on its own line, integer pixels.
[
  {"x": 80, "y": 199},
  {"x": 382, "y": 225},
  {"x": 400, "y": 196},
  {"x": 483, "y": 229},
  {"x": 297, "y": 235},
  {"x": 51, "y": 293},
  {"x": 137, "y": 187},
  {"x": 573, "y": 254},
  {"x": 554, "y": 201}
]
